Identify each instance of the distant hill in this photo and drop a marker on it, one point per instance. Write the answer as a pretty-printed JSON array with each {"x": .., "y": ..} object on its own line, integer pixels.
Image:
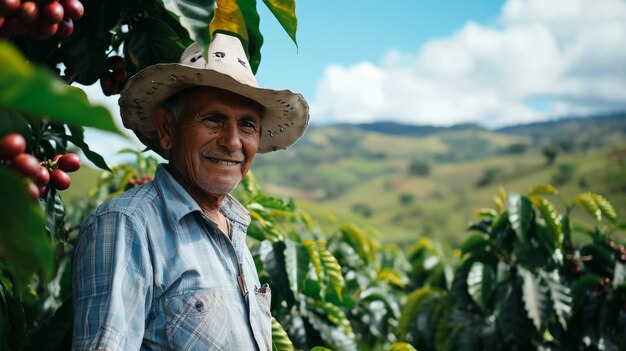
[{"x": 425, "y": 180}]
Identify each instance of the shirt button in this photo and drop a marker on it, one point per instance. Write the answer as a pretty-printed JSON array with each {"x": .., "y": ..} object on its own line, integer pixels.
[{"x": 199, "y": 306}]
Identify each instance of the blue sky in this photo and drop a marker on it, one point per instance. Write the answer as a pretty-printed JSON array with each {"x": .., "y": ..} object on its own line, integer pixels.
[
  {"x": 349, "y": 31},
  {"x": 491, "y": 62}
]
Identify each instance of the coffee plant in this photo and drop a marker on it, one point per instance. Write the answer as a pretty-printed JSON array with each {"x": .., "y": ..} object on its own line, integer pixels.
[{"x": 528, "y": 277}]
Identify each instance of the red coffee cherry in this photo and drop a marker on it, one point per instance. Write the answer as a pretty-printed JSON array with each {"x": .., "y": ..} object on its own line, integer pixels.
[
  {"x": 7, "y": 7},
  {"x": 53, "y": 12},
  {"x": 26, "y": 165},
  {"x": 43, "y": 176},
  {"x": 11, "y": 146},
  {"x": 59, "y": 179},
  {"x": 69, "y": 162},
  {"x": 74, "y": 9},
  {"x": 115, "y": 63},
  {"x": 29, "y": 12}
]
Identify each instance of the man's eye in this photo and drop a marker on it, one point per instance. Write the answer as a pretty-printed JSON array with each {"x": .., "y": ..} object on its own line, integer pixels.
[{"x": 248, "y": 126}]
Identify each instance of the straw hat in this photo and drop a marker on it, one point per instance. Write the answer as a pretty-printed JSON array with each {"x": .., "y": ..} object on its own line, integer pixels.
[{"x": 285, "y": 115}]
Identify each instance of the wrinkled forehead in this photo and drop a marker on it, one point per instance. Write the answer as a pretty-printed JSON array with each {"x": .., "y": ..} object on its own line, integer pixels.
[{"x": 202, "y": 98}]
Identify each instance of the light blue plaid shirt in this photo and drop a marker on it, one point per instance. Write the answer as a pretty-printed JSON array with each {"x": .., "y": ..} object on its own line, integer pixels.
[{"x": 151, "y": 272}]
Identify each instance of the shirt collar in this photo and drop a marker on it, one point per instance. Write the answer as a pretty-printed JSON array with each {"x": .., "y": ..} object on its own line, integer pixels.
[{"x": 178, "y": 203}]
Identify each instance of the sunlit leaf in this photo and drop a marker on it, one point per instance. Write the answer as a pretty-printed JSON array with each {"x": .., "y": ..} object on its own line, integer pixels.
[
  {"x": 315, "y": 257},
  {"x": 331, "y": 268},
  {"x": 280, "y": 339},
  {"x": 486, "y": 213},
  {"x": 285, "y": 13},
  {"x": 409, "y": 310},
  {"x": 255, "y": 39},
  {"x": 228, "y": 18},
  {"x": 332, "y": 324},
  {"x": 559, "y": 295},
  {"x": 195, "y": 16},
  {"x": 481, "y": 284},
  {"x": 588, "y": 202},
  {"x": 535, "y": 299},
  {"x": 520, "y": 215},
  {"x": 297, "y": 265},
  {"x": 553, "y": 225},
  {"x": 543, "y": 189},
  {"x": 402, "y": 346},
  {"x": 606, "y": 208},
  {"x": 36, "y": 91}
]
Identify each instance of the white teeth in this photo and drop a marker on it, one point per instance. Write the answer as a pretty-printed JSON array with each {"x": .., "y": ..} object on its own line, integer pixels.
[{"x": 222, "y": 162}]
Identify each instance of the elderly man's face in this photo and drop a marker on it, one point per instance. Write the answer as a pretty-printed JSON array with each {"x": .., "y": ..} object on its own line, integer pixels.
[{"x": 213, "y": 143}]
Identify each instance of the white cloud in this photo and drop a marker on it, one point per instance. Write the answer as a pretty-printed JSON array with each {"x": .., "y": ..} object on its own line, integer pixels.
[{"x": 569, "y": 54}]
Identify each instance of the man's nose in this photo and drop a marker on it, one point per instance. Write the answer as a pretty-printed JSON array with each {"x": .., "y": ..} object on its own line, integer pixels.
[{"x": 229, "y": 137}]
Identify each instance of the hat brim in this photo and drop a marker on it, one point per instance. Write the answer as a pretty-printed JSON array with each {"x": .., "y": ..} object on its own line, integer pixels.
[{"x": 285, "y": 113}]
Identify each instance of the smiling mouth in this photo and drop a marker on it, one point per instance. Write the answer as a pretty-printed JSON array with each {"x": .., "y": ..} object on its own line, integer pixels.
[{"x": 223, "y": 162}]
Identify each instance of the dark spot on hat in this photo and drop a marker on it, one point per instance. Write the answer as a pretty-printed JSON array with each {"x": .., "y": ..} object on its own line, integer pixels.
[
  {"x": 173, "y": 77},
  {"x": 270, "y": 133},
  {"x": 242, "y": 62},
  {"x": 149, "y": 92},
  {"x": 154, "y": 88},
  {"x": 219, "y": 54},
  {"x": 195, "y": 58},
  {"x": 199, "y": 76},
  {"x": 138, "y": 101}
]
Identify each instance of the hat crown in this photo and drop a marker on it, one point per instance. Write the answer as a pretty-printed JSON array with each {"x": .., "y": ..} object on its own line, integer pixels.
[{"x": 225, "y": 55}]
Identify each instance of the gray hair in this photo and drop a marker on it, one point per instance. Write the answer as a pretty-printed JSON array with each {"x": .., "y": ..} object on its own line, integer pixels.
[{"x": 175, "y": 104}]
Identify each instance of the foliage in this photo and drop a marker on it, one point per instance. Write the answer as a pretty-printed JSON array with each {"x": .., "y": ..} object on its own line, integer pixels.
[{"x": 523, "y": 282}]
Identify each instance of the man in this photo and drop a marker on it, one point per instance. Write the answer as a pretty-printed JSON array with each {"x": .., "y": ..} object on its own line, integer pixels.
[{"x": 165, "y": 266}]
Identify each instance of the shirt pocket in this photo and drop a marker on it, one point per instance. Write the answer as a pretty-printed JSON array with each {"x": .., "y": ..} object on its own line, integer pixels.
[
  {"x": 263, "y": 296},
  {"x": 197, "y": 321}
]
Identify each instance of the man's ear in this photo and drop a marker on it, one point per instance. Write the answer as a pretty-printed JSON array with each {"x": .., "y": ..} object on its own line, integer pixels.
[{"x": 163, "y": 121}]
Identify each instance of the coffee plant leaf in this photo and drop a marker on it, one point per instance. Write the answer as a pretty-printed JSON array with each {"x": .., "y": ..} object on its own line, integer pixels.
[
  {"x": 26, "y": 247},
  {"x": 297, "y": 265},
  {"x": 552, "y": 220},
  {"x": 280, "y": 339},
  {"x": 12, "y": 121},
  {"x": 536, "y": 301},
  {"x": 285, "y": 13},
  {"x": 606, "y": 208},
  {"x": 332, "y": 268},
  {"x": 332, "y": 324},
  {"x": 152, "y": 41},
  {"x": 520, "y": 215},
  {"x": 409, "y": 310},
  {"x": 588, "y": 202},
  {"x": 543, "y": 189},
  {"x": 475, "y": 243},
  {"x": 21, "y": 81},
  {"x": 314, "y": 255},
  {"x": 78, "y": 138},
  {"x": 559, "y": 295},
  {"x": 195, "y": 16},
  {"x": 481, "y": 284},
  {"x": 402, "y": 346}
]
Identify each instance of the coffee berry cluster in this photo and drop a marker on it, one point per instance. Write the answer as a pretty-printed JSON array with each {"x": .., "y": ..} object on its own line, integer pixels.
[
  {"x": 39, "y": 19},
  {"x": 114, "y": 76},
  {"x": 38, "y": 175}
]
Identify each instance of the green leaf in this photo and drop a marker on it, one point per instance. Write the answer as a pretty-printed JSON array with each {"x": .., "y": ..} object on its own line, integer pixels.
[
  {"x": 78, "y": 138},
  {"x": 297, "y": 265},
  {"x": 511, "y": 316},
  {"x": 605, "y": 208},
  {"x": 559, "y": 295},
  {"x": 588, "y": 202},
  {"x": 543, "y": 189},
  {"x": 535, "y": 299},
  {"x": 359, "y": 241},
  {"x": 409, "y": 310},
  {"x": 280, "y": 339},
  {"x": 402, "y": 346},
  {"x": 152, "y": 41},
  {"x": 13, "y": 122},
  {"x": 332, "y": 324},
  {"x": 285, "y": 13},
  {"x": 320, "y": 348},
  {"x": 55, "y": 213},
  {"x": 331, "y": 268},
  {"x": 195, "y": 16},
  {"x": 21, "y": 82},
  {"x": 476, "y": 242},
  {"x": 481, "y": 284},
  {"x": 583, "y": 285},
  {"x": 23, "y": 240},
  {"x": 551, "y": 217},
  {"x": 315, "y": 258},
  {"x": 520, "y": 215},
  {"x": 255, "y": 39}
]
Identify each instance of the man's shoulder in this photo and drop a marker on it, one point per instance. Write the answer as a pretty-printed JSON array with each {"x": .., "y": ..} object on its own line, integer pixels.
[{"x": 138, "y": 201}]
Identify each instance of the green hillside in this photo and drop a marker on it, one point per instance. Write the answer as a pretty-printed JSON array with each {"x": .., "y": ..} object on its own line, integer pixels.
[{"x": 408, "y": 186}]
